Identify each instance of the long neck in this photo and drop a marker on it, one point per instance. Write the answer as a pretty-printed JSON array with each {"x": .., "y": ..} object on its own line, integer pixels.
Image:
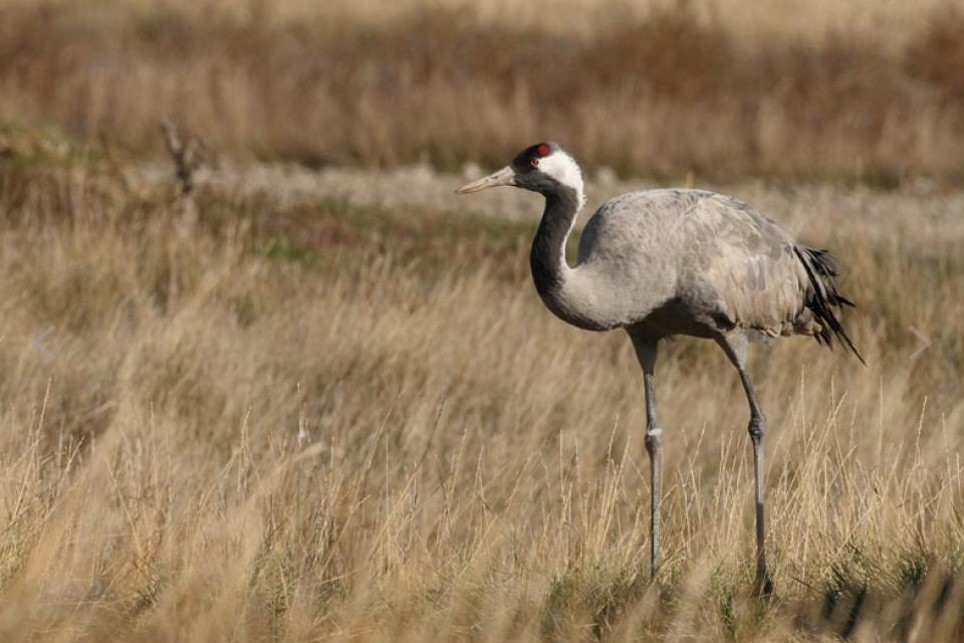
[{"x": 555, "y": 281}]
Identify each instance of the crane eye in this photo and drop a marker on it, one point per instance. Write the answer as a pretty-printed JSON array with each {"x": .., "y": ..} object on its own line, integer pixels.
[{"x": 534, "y": 162}]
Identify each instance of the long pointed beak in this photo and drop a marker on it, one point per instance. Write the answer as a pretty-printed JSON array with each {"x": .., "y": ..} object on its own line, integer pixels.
[{"x": 505, "y": 176}]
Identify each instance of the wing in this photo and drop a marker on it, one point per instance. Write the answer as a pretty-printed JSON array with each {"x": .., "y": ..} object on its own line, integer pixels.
[
  {"x": 744, "y": 267},
  {"x": 758, "y": 277}
]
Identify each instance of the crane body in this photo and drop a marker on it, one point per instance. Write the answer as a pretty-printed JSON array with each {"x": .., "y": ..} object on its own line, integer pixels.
[{"x": 665, "y": 262}]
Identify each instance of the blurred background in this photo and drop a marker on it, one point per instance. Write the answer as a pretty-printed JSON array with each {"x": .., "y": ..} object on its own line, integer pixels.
[{"x": 865, "y": 90}]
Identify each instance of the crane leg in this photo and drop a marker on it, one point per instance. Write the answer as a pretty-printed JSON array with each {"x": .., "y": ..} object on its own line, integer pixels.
[
  {"x": 763, "y": 584},
  {"x": 654, "y": 447},
  {"x": 735, "y": 348},
  {"x": 646, "y": 352}
]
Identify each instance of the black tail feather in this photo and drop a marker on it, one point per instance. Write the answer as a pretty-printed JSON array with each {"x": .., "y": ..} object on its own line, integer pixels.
[{"x": 822, "y": 272}]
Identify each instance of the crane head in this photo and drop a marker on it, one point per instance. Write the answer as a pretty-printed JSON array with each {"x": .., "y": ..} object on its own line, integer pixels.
[{"x": 544, "y": 168}]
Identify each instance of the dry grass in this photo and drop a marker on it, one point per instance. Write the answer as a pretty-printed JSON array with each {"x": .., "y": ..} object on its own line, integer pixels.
[
  {"x": 664, "y": 91},
  {"x": 468, "y": 466},
  {"x": 891, "y": 25}
]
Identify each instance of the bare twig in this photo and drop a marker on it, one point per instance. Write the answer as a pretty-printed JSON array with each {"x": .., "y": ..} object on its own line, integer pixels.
[
  {"x": 183, "y": 157},
  {"x": 186, "y": 161}
]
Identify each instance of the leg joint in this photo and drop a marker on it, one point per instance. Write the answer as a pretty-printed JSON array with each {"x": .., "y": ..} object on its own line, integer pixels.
[
  {"x": 758, "y": 426},
  {"x": 653, "y": 433}
]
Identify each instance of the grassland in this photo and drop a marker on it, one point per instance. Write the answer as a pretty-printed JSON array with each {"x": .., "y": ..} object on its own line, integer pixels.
[
  {"x": 333, "y": 407},
  {"x": 325, "y": 419},
  {"x": 839, "y": 91}
]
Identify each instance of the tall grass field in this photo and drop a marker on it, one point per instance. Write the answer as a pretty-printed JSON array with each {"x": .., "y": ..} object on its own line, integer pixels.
[{"x": 329, "y": 404}]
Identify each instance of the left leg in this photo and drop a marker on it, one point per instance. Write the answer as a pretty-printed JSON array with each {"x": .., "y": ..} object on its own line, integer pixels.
[
  {"x": 646, "y": 353},
  {"x": 735, "y": 347}
]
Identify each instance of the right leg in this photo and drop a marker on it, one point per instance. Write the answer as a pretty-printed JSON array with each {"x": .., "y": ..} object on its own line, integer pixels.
[{"x": 735, "y": 347}]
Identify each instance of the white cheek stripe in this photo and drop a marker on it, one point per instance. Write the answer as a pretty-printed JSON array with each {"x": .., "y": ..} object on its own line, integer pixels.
[{"x": 564, "y": 169}]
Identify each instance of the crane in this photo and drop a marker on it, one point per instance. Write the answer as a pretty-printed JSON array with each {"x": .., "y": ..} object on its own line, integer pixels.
[{"x": 666, "y": 262}]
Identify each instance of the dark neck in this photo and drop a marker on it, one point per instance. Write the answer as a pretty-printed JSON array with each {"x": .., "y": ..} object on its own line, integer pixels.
[
  {"x": 548, "y": 256},
  {"x": 567, "y": 297}
]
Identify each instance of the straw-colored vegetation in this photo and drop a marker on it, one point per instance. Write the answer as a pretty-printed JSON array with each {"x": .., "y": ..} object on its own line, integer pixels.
[
  {"x": 718, "y": 89},
  {"x": 331, "y": 421},
  {"x": 308, "y": 416}
]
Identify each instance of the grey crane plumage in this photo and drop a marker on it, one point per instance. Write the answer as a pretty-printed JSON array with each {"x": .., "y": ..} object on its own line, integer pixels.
[{"x": 675, "y": 262}]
